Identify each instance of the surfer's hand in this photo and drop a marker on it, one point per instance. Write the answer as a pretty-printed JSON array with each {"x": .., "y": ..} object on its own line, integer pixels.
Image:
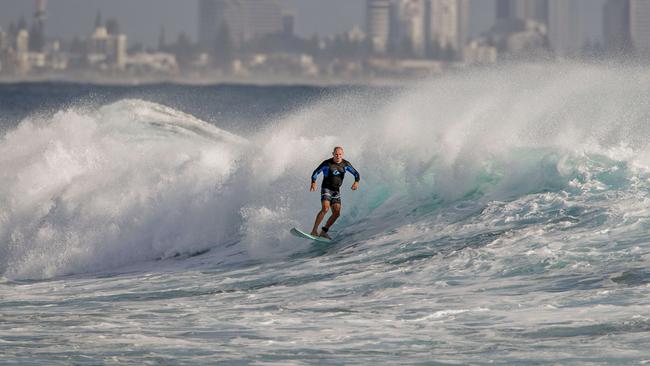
[
  {"x": 313, "y": 187},
  {"x": 355, "y": 186}
]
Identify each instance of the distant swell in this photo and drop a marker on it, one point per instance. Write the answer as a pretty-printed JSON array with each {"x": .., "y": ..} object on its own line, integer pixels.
[{"x": 523, "y": 154}]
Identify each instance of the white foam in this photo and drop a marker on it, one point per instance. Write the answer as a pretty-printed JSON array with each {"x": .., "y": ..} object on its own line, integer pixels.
[{"x": 131, "y": 181}]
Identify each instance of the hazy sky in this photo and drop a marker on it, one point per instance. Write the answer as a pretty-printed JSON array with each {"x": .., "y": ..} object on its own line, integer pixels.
[{"x": 141, "y": 20}]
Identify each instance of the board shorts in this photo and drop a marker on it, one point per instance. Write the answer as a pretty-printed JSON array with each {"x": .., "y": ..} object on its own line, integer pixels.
[{"x": 330, "y": 195}]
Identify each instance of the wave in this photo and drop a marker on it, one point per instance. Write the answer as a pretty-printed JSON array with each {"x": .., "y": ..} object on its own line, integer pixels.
[
  {"x": 89, "y": 190},
  {"x": 524, "y": 154}
]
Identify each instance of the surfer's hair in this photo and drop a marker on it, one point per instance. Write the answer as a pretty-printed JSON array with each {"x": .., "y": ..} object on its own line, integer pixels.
[{"x": 337, "y": 148}]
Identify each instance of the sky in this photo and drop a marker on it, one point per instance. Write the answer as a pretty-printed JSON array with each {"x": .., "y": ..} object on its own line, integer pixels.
[{"x": 142, "y": 20}]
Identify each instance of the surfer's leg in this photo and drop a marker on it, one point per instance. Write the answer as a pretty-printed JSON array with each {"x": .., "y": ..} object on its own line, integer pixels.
[
  {"x": 325, "y": 206},
  {"x": 336, "y": 212}
]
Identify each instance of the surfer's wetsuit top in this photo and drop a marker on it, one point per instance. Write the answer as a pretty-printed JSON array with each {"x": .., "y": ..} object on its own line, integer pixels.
[{"x": 333, "y": 175}]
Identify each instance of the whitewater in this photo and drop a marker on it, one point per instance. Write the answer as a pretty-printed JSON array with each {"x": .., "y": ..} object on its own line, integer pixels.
[{"x": 502, "y": 218}]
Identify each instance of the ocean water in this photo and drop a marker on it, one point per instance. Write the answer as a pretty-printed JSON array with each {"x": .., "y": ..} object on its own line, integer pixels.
[{"x": 503, "y": 217}]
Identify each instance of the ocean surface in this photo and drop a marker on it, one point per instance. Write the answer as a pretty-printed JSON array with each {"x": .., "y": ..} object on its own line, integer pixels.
[{"x": 503, "y": 217}]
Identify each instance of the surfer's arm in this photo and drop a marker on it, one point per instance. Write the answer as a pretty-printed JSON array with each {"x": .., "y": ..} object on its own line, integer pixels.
[
  {"x": 354, "y": 172},
  {"x": 321, "y": 168}
]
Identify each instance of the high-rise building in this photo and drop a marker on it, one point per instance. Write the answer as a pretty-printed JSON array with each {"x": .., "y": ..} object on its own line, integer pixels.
[
  {"x": 261, "y": 17},
  {"x": 522, "y": 9},
  {"x": 3, "y": 47},
  {"x": 463, "y": 22},
  {"x": 561, "y": 18},
  {"x": 37, "y": 31},
  {"x": 378, "y": 22},
  {"x": 245, "y": 19},
  {"x": 532, "y": 9},
  {"x": 208, "y": 19},
  {"x": 626, "y": 26},
  {"x": 288, "y": 23},
  {"x": 22, "y": 42},
  {"x": 39, "y": 13},
  {"x": 107, "y": 48},
  {"x": 408, "y": 21},
  {"x": 120, "y": 53},
  {"x": 3, "y": 40},
  {"x": 22, "y": 51},
  {"x": 447, "y": 24},
  {"x": 640, "y": 26},
  {"x": 616, "y": 25},
  {"x": 564, "y": 27},
  {"x": 504, "y": 9}
]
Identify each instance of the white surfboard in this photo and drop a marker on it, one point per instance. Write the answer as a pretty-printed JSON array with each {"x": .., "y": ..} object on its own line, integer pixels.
[{"x": 301, "y": 234}]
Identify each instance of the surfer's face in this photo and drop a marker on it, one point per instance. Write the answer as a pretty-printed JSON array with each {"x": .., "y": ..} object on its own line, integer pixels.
[{"x": 338, "y": 155}]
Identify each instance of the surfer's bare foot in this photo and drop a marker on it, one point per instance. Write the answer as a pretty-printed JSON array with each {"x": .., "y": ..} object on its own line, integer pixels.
[
  {"x": 324, "y": 235},
  {"x": 314, "y": 233}
]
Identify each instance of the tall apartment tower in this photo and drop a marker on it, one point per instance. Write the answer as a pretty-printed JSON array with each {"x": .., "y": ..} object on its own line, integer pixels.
[
  {"x": 561, "y": 17},
  {"x": 626, "y": 26},
  {"x": 504, "y": 9},
  {"x": 37, "y": 32},
  {"x": 564, "y": 27},
  {"x": 408, "y": 25},
  {"x": 616, "y": 26},
  {"x": 640, "y": 26},
  {"x": 448, "y": 23},
  {"x": 208, "y": 22},
  {"x": 532, "y": 9},
  {"x": 39, "y": 13},
  {"x": 245, "y": 19},
  {"x": 523, "y": 9},
  {"x": 463, "y": 22},
  {"x": 378, "y": 21},
  {"x": 22, "y": 51}
]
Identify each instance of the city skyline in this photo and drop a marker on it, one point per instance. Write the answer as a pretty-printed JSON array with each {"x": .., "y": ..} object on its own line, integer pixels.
[
  {"x": 311, "y": 17},
  {"x": 258, "y": 39}
]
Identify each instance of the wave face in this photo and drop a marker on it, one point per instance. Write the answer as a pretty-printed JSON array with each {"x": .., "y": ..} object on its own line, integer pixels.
[{"x": 89, "y": 189}]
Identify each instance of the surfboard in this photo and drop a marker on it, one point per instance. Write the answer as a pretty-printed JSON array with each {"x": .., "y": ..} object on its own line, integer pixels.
[{"x": 301, "y": 234}]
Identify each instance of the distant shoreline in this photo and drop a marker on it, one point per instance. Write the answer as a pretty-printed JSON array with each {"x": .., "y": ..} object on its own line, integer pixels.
[{"x": 197, "y": 81}]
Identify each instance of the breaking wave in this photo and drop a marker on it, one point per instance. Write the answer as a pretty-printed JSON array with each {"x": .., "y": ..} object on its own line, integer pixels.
[{"x": 545, "y": 168}]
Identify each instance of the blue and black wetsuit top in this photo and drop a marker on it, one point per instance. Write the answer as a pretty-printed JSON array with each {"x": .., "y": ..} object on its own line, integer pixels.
[{"x": 334, "y": 173}]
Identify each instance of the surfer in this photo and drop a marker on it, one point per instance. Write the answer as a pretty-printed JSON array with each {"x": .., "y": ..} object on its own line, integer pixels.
[{"x": 333, "y": 173}]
